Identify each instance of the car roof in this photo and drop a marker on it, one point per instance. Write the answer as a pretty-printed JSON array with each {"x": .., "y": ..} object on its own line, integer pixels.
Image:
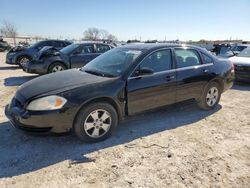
[
  {"x": 55, "y": 40},
  {"x": 149, "y": 46},
  {"x": 89, "y": 42}
]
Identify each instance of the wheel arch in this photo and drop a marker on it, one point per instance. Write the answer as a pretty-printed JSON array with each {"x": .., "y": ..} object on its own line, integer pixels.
[
  {"x": 217, "y": 80},
  {"x": 103, "y": 99},
  {"x": 23, "y": 55},
  {"x": 54, "y": 62}
]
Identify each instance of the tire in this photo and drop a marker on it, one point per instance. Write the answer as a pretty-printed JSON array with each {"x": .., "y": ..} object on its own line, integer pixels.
[
  {"x": 89, "y": 124},
  {"x": 23, "y": 60},
  {"x": 56, "y": 67},
  {"x": 211, "y": 96}
]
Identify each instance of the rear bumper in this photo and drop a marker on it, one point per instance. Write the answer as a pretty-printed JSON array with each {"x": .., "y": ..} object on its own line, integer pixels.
[{"x": 38, "y": 122}]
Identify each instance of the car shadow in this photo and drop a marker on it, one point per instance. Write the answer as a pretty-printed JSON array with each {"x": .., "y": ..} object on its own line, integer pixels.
[
  {"x": 17, "y": 81},
  {"x": 23, "y": 153},
  {"x": 242, "y": 86},
  {"x": 10, "y": 68}
]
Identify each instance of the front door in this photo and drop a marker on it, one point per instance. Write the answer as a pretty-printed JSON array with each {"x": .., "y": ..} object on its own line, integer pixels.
[
  {"x": 154, "y": 90},
  {"x": 84, "y": 54}
]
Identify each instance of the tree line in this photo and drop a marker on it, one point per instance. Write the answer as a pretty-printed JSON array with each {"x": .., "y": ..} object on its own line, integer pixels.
[{"x": 9, "y": 29}]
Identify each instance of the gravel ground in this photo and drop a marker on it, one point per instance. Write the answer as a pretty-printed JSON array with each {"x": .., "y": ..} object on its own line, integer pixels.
[{"x": 179, "y": 146}]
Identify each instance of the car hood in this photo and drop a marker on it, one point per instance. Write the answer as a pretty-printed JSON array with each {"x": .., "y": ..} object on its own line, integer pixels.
[
  {"x": 57, "y": 82},
  {"x": 240, "y": 60},
  {"x": 48, "y": 51},
  {"x": 18, "y": 48}
]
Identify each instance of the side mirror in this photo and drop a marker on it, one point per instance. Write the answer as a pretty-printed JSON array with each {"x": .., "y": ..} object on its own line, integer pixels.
[{"x": 144, "y": 71}]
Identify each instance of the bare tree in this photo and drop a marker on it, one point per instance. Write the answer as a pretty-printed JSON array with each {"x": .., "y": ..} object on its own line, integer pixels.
[
  {"x": 104, "y": 34},
  {"x": 98, "y": 34},
  {"x": 111, "y": 37},
  {"x": 9, "y": 29},
  {"x": 92, "y": 34}
]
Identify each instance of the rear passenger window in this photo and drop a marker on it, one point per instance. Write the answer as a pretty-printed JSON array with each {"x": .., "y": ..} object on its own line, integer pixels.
[
  {"x": 207, "y": 59},
  {"x": 158, "y": 61},
  {"x": 186, "y": 58},
  {"x": 100, "y": 48},
  {"x": 58, "y": 44}
]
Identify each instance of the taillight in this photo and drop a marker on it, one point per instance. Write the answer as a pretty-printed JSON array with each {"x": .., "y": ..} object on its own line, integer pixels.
[{"x": 232, "y": 68}]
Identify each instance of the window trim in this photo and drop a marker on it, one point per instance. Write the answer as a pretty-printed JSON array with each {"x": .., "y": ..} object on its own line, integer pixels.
[{"x": 161, "y": 49}]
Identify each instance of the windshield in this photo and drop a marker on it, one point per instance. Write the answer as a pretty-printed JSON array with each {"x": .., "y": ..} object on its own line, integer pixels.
[
  {"x": 112, "y": 63},
  {"x": 69, "y": 49},
  {"x": 34, "y": 45},
  {"x": 244, "y": 53}
]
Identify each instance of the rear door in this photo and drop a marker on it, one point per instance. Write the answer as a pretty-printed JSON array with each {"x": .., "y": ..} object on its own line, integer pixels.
[
  {"x": 82, "y": 55},
  {"x": 192, "y": 74},
  {"x": 155, "y": 90}
]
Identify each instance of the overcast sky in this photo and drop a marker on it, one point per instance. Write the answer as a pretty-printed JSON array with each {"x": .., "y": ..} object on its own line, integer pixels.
[{"x": 129, "y": 19}]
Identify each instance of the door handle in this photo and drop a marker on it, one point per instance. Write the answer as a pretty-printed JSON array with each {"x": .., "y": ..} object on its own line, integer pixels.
[
  {"x": 205, "y": 71},
  {"x": 168, "y": 78}
]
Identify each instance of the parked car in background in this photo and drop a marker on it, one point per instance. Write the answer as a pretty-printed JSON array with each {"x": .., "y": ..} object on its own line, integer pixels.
[
  {"x": 222, "y": 50},
  {"x": 121, "y": 82},
  {"x": 20, "y": 55},
  {"x": 4, "y": 46},
  {"x": 237, "y": 48},
  {"x": 73, "y": 56},
  {"x": 242, "y": 65}
]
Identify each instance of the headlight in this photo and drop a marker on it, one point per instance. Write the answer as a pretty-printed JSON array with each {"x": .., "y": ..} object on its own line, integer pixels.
[{"x": 47, "y": 103}]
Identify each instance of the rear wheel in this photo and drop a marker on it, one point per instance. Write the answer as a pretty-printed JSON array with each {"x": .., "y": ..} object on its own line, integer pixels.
[
  {"x": 96, "y": 122},
  {"x": 211, "y": 96},
  {"x": 56, "y": 67}
]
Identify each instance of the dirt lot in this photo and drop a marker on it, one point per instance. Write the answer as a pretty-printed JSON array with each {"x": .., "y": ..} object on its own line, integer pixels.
[{"x": 180, "y": 146}]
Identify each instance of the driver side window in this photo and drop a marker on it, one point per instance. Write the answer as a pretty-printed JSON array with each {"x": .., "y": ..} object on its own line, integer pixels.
[{"x": 158, "y": 61}]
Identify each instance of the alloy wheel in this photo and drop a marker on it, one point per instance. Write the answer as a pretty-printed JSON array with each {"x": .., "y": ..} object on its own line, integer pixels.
[
  {"x": 57, "y": 68},
  {"x": 24, "y": 60},
  {"x": 97, "y": 123},
  {"x": 212, "y": 96}
]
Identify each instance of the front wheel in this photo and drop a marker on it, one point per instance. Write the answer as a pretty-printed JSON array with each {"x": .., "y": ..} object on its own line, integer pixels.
[
  {"x": 96, "y": 122},
  {"x": 211, "y": 96},
  {"x": 23, "y": 60}
]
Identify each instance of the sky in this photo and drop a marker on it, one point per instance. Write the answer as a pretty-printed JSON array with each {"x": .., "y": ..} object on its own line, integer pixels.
[{"x": 130, "y": 19}]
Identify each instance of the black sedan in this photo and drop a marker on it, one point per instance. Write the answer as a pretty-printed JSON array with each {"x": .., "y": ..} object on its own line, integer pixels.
[
  {"x": 20, "y": 55},
  {"x": 73, "y": 56},
  {"x": 121, "y": 82}
]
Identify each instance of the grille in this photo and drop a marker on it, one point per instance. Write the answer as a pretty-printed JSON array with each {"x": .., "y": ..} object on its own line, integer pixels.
[{"x": 242, "y": 68}]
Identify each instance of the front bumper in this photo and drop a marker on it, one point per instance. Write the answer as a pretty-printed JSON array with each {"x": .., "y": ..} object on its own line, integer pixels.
[
  {"x": 10, "y": 60},
  {"x": 37, "y": 67},
  {"x": 56, "y": 121}
]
